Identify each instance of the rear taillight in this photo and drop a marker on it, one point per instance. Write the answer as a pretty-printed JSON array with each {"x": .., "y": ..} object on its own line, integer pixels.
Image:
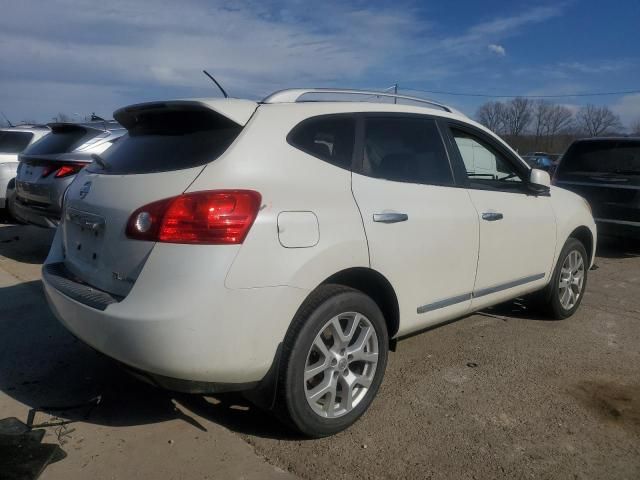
[
  {"x": 63, "y": 171},
  {"x": 216, "y": 217},
  {"x": 67, "y": 170}
]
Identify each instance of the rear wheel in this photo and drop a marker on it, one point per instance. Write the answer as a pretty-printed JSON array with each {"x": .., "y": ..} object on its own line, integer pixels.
[
  {"x": 562, "y": 297},
  {"x": 335, "y": 355}
]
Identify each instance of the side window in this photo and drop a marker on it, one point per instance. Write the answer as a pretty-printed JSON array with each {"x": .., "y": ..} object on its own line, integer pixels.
[
  {"x": 14, "y": 142},
  {"x": 485, "y": 167},
  {"x": 330, "y": 138},
  {"x": 406, "y": 149}
]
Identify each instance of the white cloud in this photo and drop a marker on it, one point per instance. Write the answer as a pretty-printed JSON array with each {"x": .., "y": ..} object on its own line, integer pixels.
[
  {"x": 491, "y": 31},
  {"x": 628, "y": 108},
  {"x": 160, "y": 47},
  {"x": 79, "y": 55},
  {"x": 497, "y": 49}
]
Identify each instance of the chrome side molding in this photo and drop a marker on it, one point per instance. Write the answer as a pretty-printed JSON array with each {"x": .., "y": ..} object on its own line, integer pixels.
[{"x": 447, "y": 302}]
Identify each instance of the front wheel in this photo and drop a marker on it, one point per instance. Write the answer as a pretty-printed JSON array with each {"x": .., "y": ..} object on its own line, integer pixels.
[
  {"x": 335, "y": 355},
  {"x": 562, "y": 297}
]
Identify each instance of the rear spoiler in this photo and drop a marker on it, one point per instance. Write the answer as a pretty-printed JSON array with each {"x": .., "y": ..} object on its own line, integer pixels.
[
  {"x": 237, "y": 111},
  {"x": 66, "y": 158},
  {"x": 59, "y": 127}
]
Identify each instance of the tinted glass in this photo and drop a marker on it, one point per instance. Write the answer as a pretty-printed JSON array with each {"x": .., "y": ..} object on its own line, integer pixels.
[
  {"x": 328, "y": 138},
  {"x": 14, "y": 142},
  {"x": 485, "y": 167},
  {"x": 61, "y": 141},
  {"x": 602, "y": 156},
  {"x": 406, "y": 150},
  {"x": 168, "y": 140}
]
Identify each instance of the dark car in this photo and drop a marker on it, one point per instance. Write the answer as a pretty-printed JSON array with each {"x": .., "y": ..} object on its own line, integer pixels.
[
  {"x": 48, "y": 167},
  {"x": 606, "y": 171}
]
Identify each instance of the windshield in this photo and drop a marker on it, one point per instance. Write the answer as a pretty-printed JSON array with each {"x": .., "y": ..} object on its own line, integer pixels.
[
  {"x": 14, "y": 142},
  {"x": 620, "y": 157}
]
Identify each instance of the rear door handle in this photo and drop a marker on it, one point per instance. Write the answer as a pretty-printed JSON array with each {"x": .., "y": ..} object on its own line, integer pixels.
[
  {"x": 492, "y": 216},
  {"x": 390, "y": 217}
]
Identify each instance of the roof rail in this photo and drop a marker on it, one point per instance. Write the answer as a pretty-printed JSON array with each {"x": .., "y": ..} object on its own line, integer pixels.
[{"x": 292, "y": 95}]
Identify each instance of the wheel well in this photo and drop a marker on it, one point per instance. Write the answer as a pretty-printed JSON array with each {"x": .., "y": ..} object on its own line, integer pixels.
[
  {"x": 376, "y": 286},
  {"x": 583, "y": 234}
]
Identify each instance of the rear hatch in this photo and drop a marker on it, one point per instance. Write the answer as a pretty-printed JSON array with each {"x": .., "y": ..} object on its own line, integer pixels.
[
  {"x": 40, "y": 161},
  {"x": 37, "y": 176},
  {"x": 167, "y": 145},
  {"x": 607, "y": 173}
]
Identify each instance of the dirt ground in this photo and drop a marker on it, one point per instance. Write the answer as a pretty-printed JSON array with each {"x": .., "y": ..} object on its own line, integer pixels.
[{"x": 503, "y": 394}]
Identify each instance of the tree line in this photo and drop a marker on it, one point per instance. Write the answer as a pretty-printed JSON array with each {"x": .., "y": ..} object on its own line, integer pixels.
[{"x": 534, "y": 125}]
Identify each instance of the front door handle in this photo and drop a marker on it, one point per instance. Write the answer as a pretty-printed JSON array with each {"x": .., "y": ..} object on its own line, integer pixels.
[
  {"x": 492, "y": 216},
  {"x": 390, "y": 217}
]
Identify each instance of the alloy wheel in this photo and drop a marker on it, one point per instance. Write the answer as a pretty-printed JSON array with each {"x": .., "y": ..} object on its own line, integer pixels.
[
  {"x": 341, "y": 365},
  {"x": 571, "y": 279}
]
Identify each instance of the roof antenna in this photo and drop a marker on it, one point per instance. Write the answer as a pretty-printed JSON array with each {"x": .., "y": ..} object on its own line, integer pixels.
[
  {"x": 216, "y": 82},
  {"x": 12, "y": 125}
]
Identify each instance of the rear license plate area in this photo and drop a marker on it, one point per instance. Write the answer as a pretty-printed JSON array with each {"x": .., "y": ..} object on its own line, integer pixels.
[{"x": 84, "y": 236}]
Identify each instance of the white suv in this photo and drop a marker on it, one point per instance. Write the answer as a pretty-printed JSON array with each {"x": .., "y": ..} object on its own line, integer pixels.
[
  {"x": 282, "y": 247},
  {"x": 14, "y": 140}
]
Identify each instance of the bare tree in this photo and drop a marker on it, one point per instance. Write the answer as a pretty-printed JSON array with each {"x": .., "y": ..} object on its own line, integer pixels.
[
  {"x": 518, "y": 116},
  {"x": 560, "y": 120},
  {"x": 492, "y": 116},
  {"x": 635, "y": 127},
  {"x": 596, "y": 121},
  {"x": 541, "y": 116}
]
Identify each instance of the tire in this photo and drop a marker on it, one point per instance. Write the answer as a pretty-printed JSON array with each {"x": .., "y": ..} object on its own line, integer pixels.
[
  {"x": 327, "y": 308},
  {"x": 552, "y": 300}
]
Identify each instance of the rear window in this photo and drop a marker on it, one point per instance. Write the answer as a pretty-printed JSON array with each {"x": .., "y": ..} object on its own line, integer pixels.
[
  {"x": 62, "y": 140},
  {"x": 14, "y": 142},
  {"x": 597, "y": 157},
  {"x": 163, "y": 140},
  {"x": 329, "y": 138}
]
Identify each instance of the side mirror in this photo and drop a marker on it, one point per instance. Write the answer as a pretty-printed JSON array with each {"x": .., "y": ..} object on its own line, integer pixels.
[{"x": 539, "y": 181}]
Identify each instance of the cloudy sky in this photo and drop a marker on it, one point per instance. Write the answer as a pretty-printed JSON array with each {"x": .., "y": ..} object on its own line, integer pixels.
[{"x": 77, "y": 56}]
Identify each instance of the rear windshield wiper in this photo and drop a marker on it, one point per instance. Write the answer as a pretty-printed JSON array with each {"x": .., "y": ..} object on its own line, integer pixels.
[{"x": 100, "y": 161}]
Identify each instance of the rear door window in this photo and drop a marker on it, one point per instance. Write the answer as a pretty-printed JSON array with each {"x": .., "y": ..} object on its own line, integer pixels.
[
  {"x": 164, "y": 140},
  {"x": 406, "y": 149},
  {"x": 609, "y": 157},
  {"x": 329, "y": 138},
  {"x": 14, "y": 142}
]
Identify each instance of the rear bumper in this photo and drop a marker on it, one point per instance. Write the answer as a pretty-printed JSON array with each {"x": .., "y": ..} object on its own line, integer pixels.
[
  {"x": 618, "y": 228},
  {"x": 40, "y": 217},
  {"x": 188, "y": 386},
  {"x": 187, "y": 333}
]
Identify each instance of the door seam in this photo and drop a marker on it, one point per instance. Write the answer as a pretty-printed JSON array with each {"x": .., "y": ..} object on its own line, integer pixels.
[
  {"x": 475, "y": 279},
  {"x": 366, "y": 238}
]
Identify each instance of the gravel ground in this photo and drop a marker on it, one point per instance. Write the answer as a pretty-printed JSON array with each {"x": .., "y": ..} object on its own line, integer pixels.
[{"x": 504, "y": 394}]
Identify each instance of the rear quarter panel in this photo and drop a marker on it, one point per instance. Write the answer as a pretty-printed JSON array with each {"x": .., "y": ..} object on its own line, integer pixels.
[{"x": 289, "y": 180}]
